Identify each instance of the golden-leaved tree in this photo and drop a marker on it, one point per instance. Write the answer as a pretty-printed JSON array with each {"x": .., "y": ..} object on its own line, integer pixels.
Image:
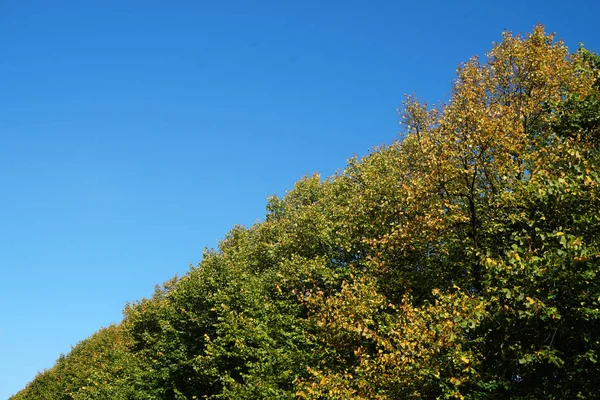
[{"x": 474, "y": 269}]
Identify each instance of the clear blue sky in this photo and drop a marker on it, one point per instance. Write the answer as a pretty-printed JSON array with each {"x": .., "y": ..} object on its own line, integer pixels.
[{"x": 136, "y": 133}]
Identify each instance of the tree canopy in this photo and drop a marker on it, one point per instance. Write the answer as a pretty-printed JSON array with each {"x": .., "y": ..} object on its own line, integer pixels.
[{"x": 461, "y": 261}]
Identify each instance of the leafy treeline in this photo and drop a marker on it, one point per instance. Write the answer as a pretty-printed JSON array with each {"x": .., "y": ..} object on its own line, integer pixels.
[{"x": 459, "y": 262}]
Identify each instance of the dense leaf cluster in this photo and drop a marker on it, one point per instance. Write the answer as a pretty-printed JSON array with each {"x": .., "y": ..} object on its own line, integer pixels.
[{"x": 459, "y": 262}]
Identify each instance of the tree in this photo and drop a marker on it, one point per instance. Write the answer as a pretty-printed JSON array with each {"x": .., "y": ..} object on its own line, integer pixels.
[{"x": 462, "y": 261}]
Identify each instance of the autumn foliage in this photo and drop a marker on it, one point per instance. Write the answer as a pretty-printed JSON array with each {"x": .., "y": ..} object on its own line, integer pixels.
[{"x": 461, "y": 261}]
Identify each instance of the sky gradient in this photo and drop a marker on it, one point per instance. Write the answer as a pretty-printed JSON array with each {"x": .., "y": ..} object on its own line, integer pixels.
[{"x": 136, "y": 133}]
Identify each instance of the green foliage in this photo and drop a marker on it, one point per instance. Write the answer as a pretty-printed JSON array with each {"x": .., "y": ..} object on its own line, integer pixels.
[
  {"x": 100, "y": 367},
  {"x": 460, "y": 262}
]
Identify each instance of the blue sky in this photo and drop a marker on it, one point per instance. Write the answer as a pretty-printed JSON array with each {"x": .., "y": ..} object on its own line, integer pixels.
[{"x": 136, "y": 133}]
